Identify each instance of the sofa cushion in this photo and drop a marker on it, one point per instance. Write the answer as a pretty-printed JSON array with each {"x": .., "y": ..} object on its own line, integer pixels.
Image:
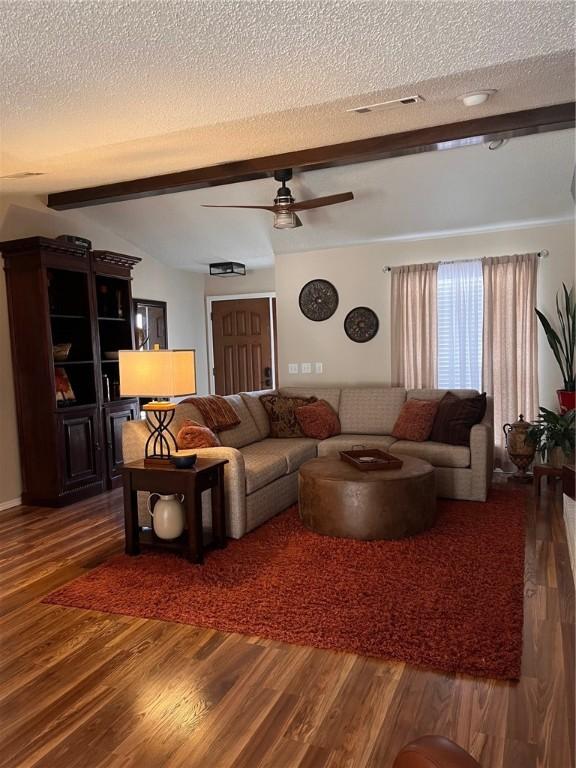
[
  {"x": 257, "y": 410},
  {"x": 370, "y": 410},
  {"x": 330, "y": 394},
  {"x": 281, "y": 411},
  {"x": 318, "y": 420},
  {"x": 415, "y": 420},
  {"x": 296, "y": 450},
  {"x": 347, "y": 442},
  {"x": 455, "y": 418},
  {"x": 262, "y": 465},
  {"x": 246, "y": 432},
  {"x": 437, "y": 454},
  {"x": 185, "y": 412}
]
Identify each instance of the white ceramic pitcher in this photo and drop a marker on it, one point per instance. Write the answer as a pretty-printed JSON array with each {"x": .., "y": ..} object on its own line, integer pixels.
[{"x": 167, "y": 516}]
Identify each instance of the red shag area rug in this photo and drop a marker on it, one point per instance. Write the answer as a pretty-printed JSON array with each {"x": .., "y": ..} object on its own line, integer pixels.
[{"x": 450, "y": 599}]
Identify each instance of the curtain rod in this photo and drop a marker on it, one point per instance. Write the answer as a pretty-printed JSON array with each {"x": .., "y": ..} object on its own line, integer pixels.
[{"x": 541, "y": 255}]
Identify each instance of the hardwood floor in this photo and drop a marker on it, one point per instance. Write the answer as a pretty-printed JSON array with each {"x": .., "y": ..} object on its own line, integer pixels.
[{"x": 90, "y": 690}]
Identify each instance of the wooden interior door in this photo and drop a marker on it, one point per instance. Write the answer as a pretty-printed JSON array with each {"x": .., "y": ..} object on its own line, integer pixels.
[{"x": 242, "y": 339}]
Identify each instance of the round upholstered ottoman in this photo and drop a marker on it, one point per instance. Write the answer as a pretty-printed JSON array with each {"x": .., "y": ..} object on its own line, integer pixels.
[{"x": 336, "y": 499}]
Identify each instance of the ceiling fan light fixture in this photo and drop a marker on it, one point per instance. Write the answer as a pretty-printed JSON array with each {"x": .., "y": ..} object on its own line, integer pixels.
[{"x": 285, "y": 220}]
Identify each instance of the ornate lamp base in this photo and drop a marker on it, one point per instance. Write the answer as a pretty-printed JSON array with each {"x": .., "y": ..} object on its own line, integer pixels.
[{"x": 161, "y": 443}]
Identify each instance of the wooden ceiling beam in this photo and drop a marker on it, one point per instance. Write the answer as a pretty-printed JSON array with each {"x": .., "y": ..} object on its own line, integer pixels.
[{"x": 509, "y": 125}]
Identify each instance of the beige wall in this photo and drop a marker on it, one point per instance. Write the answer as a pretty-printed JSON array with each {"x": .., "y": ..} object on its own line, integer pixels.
[
  {"x": 357, "y": 274},
  {"x": 255, "y": 281},
  {"x": 182, "y": 290}
]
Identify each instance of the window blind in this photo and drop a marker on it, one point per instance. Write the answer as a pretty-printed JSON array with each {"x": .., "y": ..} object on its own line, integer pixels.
[{"x": 459, "y": 325}]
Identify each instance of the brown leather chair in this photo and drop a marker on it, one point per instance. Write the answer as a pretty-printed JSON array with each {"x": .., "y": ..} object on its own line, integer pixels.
[{"x": 434, "y": 752}]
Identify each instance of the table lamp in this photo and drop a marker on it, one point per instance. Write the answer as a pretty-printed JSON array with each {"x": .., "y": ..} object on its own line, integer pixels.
[{"x": 158, "y": 373}]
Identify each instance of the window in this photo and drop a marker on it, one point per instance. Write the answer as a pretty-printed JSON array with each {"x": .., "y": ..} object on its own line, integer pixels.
[{"x": 459, "y": 317}]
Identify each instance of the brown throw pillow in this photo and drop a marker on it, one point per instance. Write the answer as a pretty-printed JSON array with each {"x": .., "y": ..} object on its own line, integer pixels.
[
  {"x": 415, "y": 420},
  {"x": 282, "y": 414},
  {"x": 455, "y": 418},
  {"x": 318, "y": 420},
  {"x": 194, "y": 435}
]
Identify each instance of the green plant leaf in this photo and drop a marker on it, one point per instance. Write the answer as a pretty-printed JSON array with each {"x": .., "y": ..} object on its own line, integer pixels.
[{"x": 553, "y": 340}]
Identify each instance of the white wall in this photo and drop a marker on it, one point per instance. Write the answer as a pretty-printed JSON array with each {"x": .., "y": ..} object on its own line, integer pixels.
[
  {"x": 182, "y": 290},
  {"x": 357, "y": 274}
]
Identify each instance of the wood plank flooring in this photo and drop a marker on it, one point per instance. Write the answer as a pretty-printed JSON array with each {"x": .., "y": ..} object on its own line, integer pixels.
[{"x": 82, "y": 689}]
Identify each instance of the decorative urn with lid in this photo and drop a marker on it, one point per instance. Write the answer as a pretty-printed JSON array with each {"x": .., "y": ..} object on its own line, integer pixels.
[{"x": 521, "y": 448}]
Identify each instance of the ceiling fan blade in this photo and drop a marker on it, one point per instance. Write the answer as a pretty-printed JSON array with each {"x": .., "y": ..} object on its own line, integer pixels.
[
  {"x": 298, "y": 222},
  {"x": 320, "y": 202},
  {"x": 255, "y": 207}
]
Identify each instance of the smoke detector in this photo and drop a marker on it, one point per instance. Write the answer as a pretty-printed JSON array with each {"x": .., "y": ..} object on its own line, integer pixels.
[
  {"x": 475, "y": 98},
  {"x": 405, "y": 101}
]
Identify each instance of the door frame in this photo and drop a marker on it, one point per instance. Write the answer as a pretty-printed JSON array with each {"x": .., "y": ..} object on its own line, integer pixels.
[{"x": 235, "y": 297}]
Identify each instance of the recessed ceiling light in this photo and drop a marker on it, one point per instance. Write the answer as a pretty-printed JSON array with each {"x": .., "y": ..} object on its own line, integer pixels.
[
  {"x": 475, "y": 98},
  {"x": 22, "y": 175}
]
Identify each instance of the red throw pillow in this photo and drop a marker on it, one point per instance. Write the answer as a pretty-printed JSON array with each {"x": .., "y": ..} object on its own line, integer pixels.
[
  {"x": 194, "y": 435},
  {"x": 415, "y": 420},
  {"x": 318, "y": 420}
]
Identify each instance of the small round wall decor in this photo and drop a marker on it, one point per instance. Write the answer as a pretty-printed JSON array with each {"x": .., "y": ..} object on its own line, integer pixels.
[
  {"x": 318, "y": 300},
  {"x": 361, "y": 324}
]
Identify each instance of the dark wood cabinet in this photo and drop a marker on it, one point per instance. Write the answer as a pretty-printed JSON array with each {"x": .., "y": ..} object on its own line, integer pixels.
[
  {"x": 70, "y": 311},
  {"x": 115, "y": 415},
  {"x": 80, "y": 450}
]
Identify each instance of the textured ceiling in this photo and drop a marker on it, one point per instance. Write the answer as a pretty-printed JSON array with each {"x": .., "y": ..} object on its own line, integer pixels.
[
  {"x": 97, "y": 91},
  {"x": 526, "y": 181}
]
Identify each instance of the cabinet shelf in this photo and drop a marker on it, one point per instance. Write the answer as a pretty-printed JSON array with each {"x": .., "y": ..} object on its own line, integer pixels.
[
  {"x": 76, "y": 407},
  {"x": 56, "y": 316},
  {"x": 63, "y": 363},
  {"x": 113, "y": 319}
]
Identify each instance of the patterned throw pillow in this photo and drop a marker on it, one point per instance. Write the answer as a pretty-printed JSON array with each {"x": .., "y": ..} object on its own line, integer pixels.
[
  {"x": 455, "y": 418},
  {"x": 282, "y": 414},
  {"x": 194, "y": 435},
  {"x": 318, "y": 420},
  {"x": 415, "y": 420}
]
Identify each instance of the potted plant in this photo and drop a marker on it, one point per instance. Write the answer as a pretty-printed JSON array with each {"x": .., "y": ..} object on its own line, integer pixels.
[
  {"x": 563, "y": 345},
  {"x": 553, "y": 435}
]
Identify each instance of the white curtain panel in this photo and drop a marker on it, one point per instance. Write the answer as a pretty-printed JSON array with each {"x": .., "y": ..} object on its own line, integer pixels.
[
  {"x": 510, "y": 351},
  {"x": 459, "y": 319},
  {"x": 414, "y": 325}
]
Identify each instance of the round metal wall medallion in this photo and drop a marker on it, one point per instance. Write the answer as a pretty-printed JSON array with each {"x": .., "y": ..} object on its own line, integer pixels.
[
  {"x": 318, "y": 300},
  {"x": 361, "y": 324}
]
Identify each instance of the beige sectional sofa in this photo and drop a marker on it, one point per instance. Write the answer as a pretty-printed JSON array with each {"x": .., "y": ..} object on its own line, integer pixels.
[{"x": 261, "y": 478}]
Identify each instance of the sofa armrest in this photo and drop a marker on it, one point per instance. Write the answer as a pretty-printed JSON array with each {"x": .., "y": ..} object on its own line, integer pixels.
[
  {"x": 481, "y": 458},
  {"x": 134, "y": 436}
]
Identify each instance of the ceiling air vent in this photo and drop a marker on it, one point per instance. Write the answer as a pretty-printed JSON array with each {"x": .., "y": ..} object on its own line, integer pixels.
[
  {"x": 405, "y": 101},
  {"x": 21, "y": 175}
]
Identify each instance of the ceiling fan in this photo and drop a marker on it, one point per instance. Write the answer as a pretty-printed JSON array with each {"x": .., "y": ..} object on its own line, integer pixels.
[{"x": 285, "y": 207}]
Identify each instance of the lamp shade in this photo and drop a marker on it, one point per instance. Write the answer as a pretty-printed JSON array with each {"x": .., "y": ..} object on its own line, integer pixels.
[{"x": 157, "y": 373}]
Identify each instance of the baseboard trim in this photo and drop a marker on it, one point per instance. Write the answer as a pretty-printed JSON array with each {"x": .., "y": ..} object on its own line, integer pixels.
[{"x": 9, "y": 504}]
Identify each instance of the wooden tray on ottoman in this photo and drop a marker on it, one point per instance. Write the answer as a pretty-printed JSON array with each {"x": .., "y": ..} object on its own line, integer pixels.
[{"x": 381, "y": 459}]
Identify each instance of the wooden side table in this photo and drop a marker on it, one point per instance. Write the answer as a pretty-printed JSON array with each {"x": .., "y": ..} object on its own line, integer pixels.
[
  {"x": 206, "y": 474},
  {"x": 545, "y": 470}
]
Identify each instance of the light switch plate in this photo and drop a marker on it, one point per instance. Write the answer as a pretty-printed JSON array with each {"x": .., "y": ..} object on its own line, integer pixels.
[
  {"x": 306, "y": 367},
  {"x": 292, "y": 367},
  {"x": 318, "y": 367}
]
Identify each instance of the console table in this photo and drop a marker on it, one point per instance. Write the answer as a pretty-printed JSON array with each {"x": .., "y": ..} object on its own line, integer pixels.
[
  {"x": 206, "y": 474},
  {"x": 545, "y": 470}
]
